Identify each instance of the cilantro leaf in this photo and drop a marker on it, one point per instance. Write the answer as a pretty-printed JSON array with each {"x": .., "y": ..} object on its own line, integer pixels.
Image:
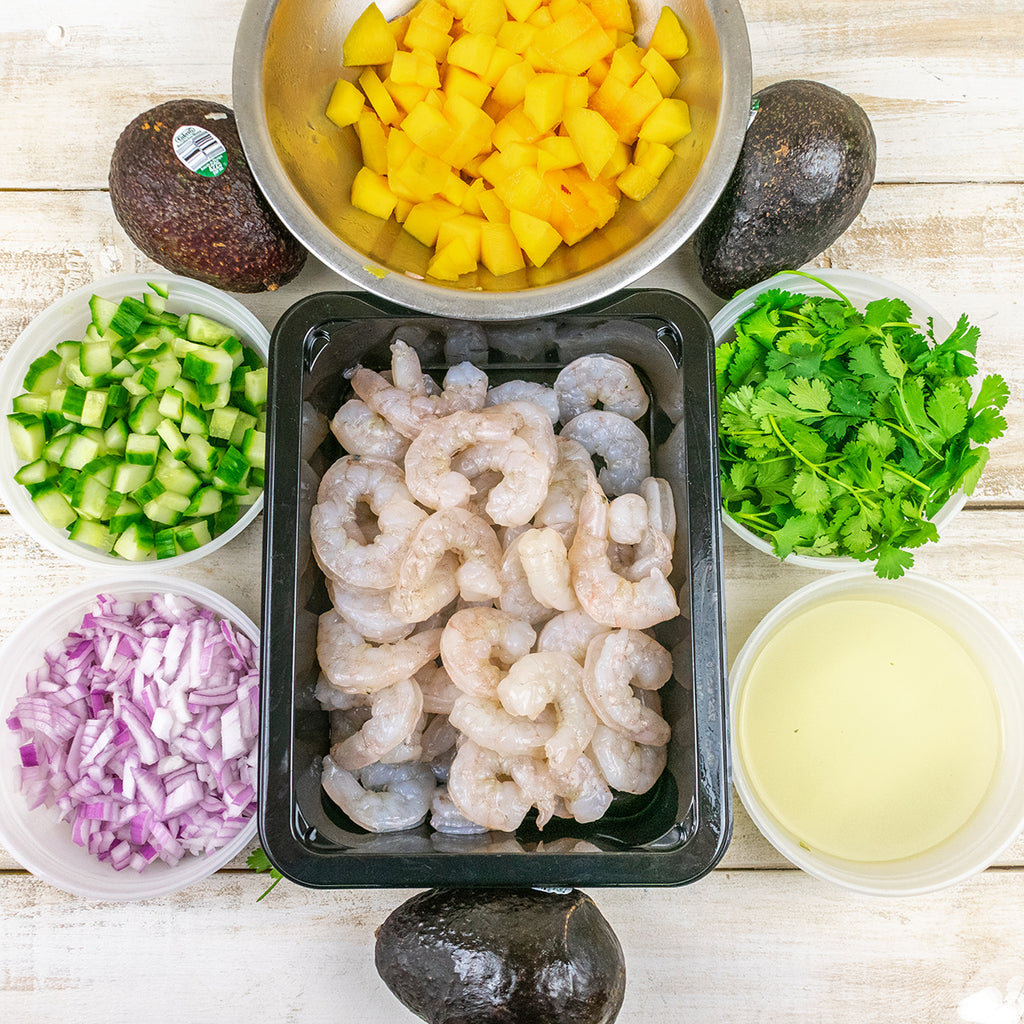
[
  {"x": 810, "y": 395},
  {"x": 260, "y": 862},
  {"x": 866, "y": 363},
  {"x": 947, "y": 410},
  {"x": 810, "y": 492}
]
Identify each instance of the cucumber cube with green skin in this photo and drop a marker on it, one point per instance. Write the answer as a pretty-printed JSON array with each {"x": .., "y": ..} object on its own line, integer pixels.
[
  {"x": 166, "y": 509},
  {"x": 81, "y": 449},
  {"x": 130, "y": 476},
  {"x": 250, "y": 495},
  {"x": 254, "y": 386},
  {"x": 93, "y": 533},
  {"x": 125, "y": 514},
  {"x": 145, "y": 416},
  {"x": 194, "y": 420},
  {"x": 164, "y": 543},
  {"x": 172, "y": 404},
  {"x": 192, "y": 535},
  {"x": 43, "y": 373},
  {"x": 54, "y": 448},
  {"x": 102, "y": 311},
  {"x": 115, "y": 437},
  {"x": 226, "y": 517},
  {"x": 205, "y": 502},
  {"x": 142, "y": 449},
  {"x": 243, "y": 422},
  {"x": 214, "y": 396},
  {"x": 94, "y": 410},
  {"x": 102, "y": 468},
  {"x": 179, "y": 478},
  {"x": 32, "y": 403},
  {"x": 232, "y": 472},
  {"x": 57, "y": 400},
  {"x": 135, "y": 543},
  {"x": 95, "y": 358},
  {"x": 73, "y": 403},
  {"x": 150, "y": 490},
  {"x": 53, "y": 506},
  {"x": 35, "y": 472},
  {"x": 206, "y": 330},
  {"x": 28, "y": 435},
  {"x": 128, "y": 317},
  {"x": 160, "y": 374},
  {"x": 254, "y": 447},
  {"x": 172, "y": 437},
  {"x": 93, "y": 499},
  {"x": 222, "y": 421},
  {"x": 208, "y": 366},
  {"x": 121, "y": 369},
  {"x": 202, "y": 456}
]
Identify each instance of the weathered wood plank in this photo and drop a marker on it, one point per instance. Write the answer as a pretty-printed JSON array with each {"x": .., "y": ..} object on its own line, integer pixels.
[{"x": 731, "y": 948}]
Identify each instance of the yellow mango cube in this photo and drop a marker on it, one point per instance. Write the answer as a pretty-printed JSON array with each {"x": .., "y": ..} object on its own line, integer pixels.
[
  {"x": 499, "y": 250},
  {"x": 471, "y": 197},
  {"x": 514, "y": 127},
  {"x": 602, "y": 195},
  {"x": 544, "y": 100},
  {"x": 501, "y": 61},
  {"x": 425, "y": 219},
  {"x": 536, "y": 237},
  {"x": 460, "y": 82},
  {"x": 669, "y": 37},
  {"x": 578, "y": 91},
  {"x": 370, "y": 192},
  {"x": 593, "y": 136},
  {"x": 661, "y": 71},
  {"x": 626, "y": 63},
  {"x": 492, "y": 207},
  {"x": 415, "y": 67},
  {"x": 345, "y": 104},
  {"x": 378, "y": 97},
  {"x": 485, "y": 17},
  {"x": 510, "y": 90},
  {"x": 653, "y": 157},
  {"x": 571, "y": 214},
  {"x": 369, "y": 40},
  {"x": 429, "y": 129},
  {"x": 526, "y": 189},
  {"x": 667, "y": 123},
  {"x": 584, "y": 50},
  {"x": 625, "y": 107},
  {"x": 472, "y": 51},
  {"x": 618, "y": 161},
  {"x": 636, "y": 182},
  {"x": 540, "y": 17},
  {"x": 451, "y": 262},
  {"x": 516, "y": 36},
  {"x": 472, "y": 130},
  {"x": 402, "y": 208},
  {"x": 429, "y": 28},
  {"x": 555, "y": 153},
  {"x": 614, "y": 14},
  {"x": 373, "y": 141},
  {"x": 464, "y": 226},
  {"x": 419, "y": 177}
]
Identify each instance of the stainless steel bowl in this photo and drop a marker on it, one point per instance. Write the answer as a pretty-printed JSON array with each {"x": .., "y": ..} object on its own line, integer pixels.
[{"x": 287, "y": 59}]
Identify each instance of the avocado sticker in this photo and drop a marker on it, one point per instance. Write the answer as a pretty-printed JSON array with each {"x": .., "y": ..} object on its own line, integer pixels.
[{"x": 200, "y": 150}]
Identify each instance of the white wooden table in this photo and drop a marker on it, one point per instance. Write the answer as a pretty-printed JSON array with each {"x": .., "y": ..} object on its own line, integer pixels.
[{"x": 756, "y": 940}]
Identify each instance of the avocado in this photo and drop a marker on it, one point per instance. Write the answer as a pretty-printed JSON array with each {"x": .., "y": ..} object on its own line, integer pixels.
[
  {"x": 805, "y": 168},
  {"x": 502, "y": 956},
  {"x": 182, "y": 190}
]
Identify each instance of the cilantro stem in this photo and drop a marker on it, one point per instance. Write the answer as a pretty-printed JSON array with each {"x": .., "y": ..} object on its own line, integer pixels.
[{"x": 813, "y": 466}]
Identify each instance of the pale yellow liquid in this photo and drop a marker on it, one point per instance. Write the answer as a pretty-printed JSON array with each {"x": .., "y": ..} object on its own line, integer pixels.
[{"x": 867, "y": 731}]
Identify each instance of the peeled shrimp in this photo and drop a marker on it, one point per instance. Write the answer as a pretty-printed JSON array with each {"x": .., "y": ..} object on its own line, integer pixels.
[
  {"x": 361, "y": 431},
  {"x": 516, "y": 597},
  {"x": 351, "y": 663},
  {"x": 395, "y": 712},
  {"x": 614, "y": 665},
  {"x": 439, "y": 692},
  {"x": 627, "y": 519},
  {"x": 554, "y": 679},
  {"x": 628, "y": 766},
  {"x": 341, "y": 545},
  {"x": 478, "y": 645},
  {"x": 583, "y": 789},
  {"x": 571, "y": 633},
  {"x": 425, "y": 586},
  {"x": 485, "y": 721},
  {"x": 446, "y": 818},
  {"x": 600, "y": 380},
  {"x": 604, "y": 595},
  {"x": 525, "y": 391},
  {"x": 368, "y": 610},
  {"x": 570, "y": 479},
  {"x": 492, "y": 789},
  {"x": 382, "y": 798},
  {"x": 619, "y": 442},
  {"x": 545, "y": 561}
]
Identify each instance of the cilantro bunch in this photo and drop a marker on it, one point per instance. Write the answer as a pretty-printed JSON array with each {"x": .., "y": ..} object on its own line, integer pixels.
[{"x": 843, "y": 432}]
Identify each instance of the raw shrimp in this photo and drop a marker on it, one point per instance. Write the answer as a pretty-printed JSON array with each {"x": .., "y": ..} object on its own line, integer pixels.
[
  {"x": 361, "y": 431},
  {"x": 627, "y": 766},
  {"x": 636, "y": 525},
  {"x": 492, "y": 789},
  {"x": 552, "y": 679},
  {"x": 661, "y": 508},
  {"x": 485, "y": 721},
  {"x": 331, "y": 698},
  {"x": 571, "y": 633},
  {"x": 420, "y": 591},
  {"x": 545, "y": 560},
  {"x": 464, "y": 389},
  {"x": 409, "y": 749},
  {"x": 353, "y": 664},
  {"x": 382, "y": 798},
  {"x": 446, "y": 818},
  {"x": 340, "y": 543},
  {"x": 604, "y": 595},
  {"x": 600, "y": 381},
  {"x": 395, "y": 712},
  {"x": 618, "y": 442},
  {"x": 527, "y": 459},
  {"x": 439, "y": 692},
  {"x": 570, "y": 479},
  {"x": 525, "y": 391},
  {"x": 516, "y": 597},
  {"x": 439, "y": 739},
  {"x": 478, "y": 645},
  {"x": 627, "y": 519},
  {"x": 368, "y": 610},
  {"x": 583, "y": 789},
  {"x": 614, "y": 665}
]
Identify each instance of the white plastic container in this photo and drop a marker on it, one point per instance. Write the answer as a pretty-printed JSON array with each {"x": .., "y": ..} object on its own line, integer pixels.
[
  {"x": 37, "y": 839},
  {"x": 68, "y": 318},
  {"x": 860, "y": 289},
  {"x": 999, "y": 815}
]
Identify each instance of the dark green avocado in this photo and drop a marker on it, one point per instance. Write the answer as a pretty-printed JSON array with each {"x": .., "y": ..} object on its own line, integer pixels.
[
  {"x": 502, "y": 956},
  {"x": 182, "y": 190},
  {"x": 805, "y": 168}
]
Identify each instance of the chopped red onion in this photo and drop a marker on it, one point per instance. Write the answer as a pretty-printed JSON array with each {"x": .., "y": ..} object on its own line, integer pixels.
[{"x": 140, "y": 729}]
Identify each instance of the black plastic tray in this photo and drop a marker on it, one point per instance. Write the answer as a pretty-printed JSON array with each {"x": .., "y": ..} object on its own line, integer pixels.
[{"x": 670, "y": 836}]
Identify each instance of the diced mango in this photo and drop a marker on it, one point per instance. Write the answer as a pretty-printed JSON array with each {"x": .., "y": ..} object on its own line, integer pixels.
[
  {"x": 471, "y": 197},
  {"x": 571, "y": 43},
  {"x": 499, "y": 250},
  {"x": 602, "y": 194},
  {"x": 526, "y": 189},
  {"x": 429, "y": 29},
  {"x": 459, "y": 81},
  {"x": 501, "y": 61},
  {"x": 471, "y": 127},
  {"x": 369, "y": 40},
  {"x": 521, "y": 9},
  {"x": 516, "y": 36},
  {"x": 415, "y": 67},
  {"x": 556, "y": 152},
  {"x": 372, "y": 141},
  {"x": 425, "y": 219},
  {"x": 510, "y": 90},
  {"x": 544, "y": 101},
  {"x": 345, "y": 104},
  {"x": 370, "y": 192},
  {"x": 667, "y": 123},
  {"x": 613, "y": 14},
  {"x": 593, "y": 136},
  {"x": 661, "y": 71},
  {"x": 636, "y": 182},
  {"x": 405, "y": 95},
  {"x": 652, "y": 156},
  {"x": 536, "y": 237},
  {"x": 492, "y": 207},
  {"x": 452, "y": 261},
  {"x": 625, "y": 107},
  {"x": 379, "y": 98},
  {"x": 464, "y": 226},
  {"x": 618, "y": 161},
  {"x": 669, "y": 37},
  {"x": 626, "y": 63},
  {"x": 472, "y": 51},
  {"x": 571, "y": 214},
  {"x": 515, "y": 127},
  {"x": 418, "y": 177},
  {"x": 578, "y": 91},
  {"x": 484, "y": 17},
  {"x": 429, "y": 129}
]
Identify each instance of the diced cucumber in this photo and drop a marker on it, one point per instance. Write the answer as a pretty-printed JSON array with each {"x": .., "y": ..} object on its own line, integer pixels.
[
  {"x": 193, "y": 420},
  {"x": 115, "y": 437},
  {"x": 243, "y": 422},
  {"x": 81, "y": 449},
  {"x": 95, "y": 358},
  {"x": 102, "y": 468},
  {"x": 250, "y": 495},
  {"x": 128, "y": 316},
  {"x": 130, "y": 476},
  {"x": 232, "y": 472},
  {"x": 53, "y": 506},
  {"x": 206, "y": 330},
  {"x": 192, "y": 535},
  {"x": 93, "y": 499},
  {"x": 125, "y": 514},
  {"x": 171, "y": 436},
  {"x": 102, "y": 311},
  {"x": 93, "y": 533},
  {"x": 214, "y": 396},
  {"x": 43, "y": 373},
  {"x": 254, "y": 386},
  {"x": 159, "y": 288},
  {"x": 145, "y": 415},
  {"x": 148, "y": 492},
  {"x": 142, "y": 449},
  {"x": 202, "y": 456},
  {"x": 254, "y": 447},
  {"x": 53, "y": 451},
  {"x": 164, "y": 543},
  {"x": 166, "y": 508},
  {"x": 34, "y": 404},
  {"x": 208, "y": 365},
  {"x": 222, "y": 421},
  {"x": 28, "y": 435},
  {"x": 205, "y": 502},
  {"x": 179, "y": 478},
  {"x": 135, "y": 542},
  {"x": 94, "y": 409},
  {"x": 160, "y": 374},
  {"x": 172, "y": 404},
  {"x": 35, "y": 472}
]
